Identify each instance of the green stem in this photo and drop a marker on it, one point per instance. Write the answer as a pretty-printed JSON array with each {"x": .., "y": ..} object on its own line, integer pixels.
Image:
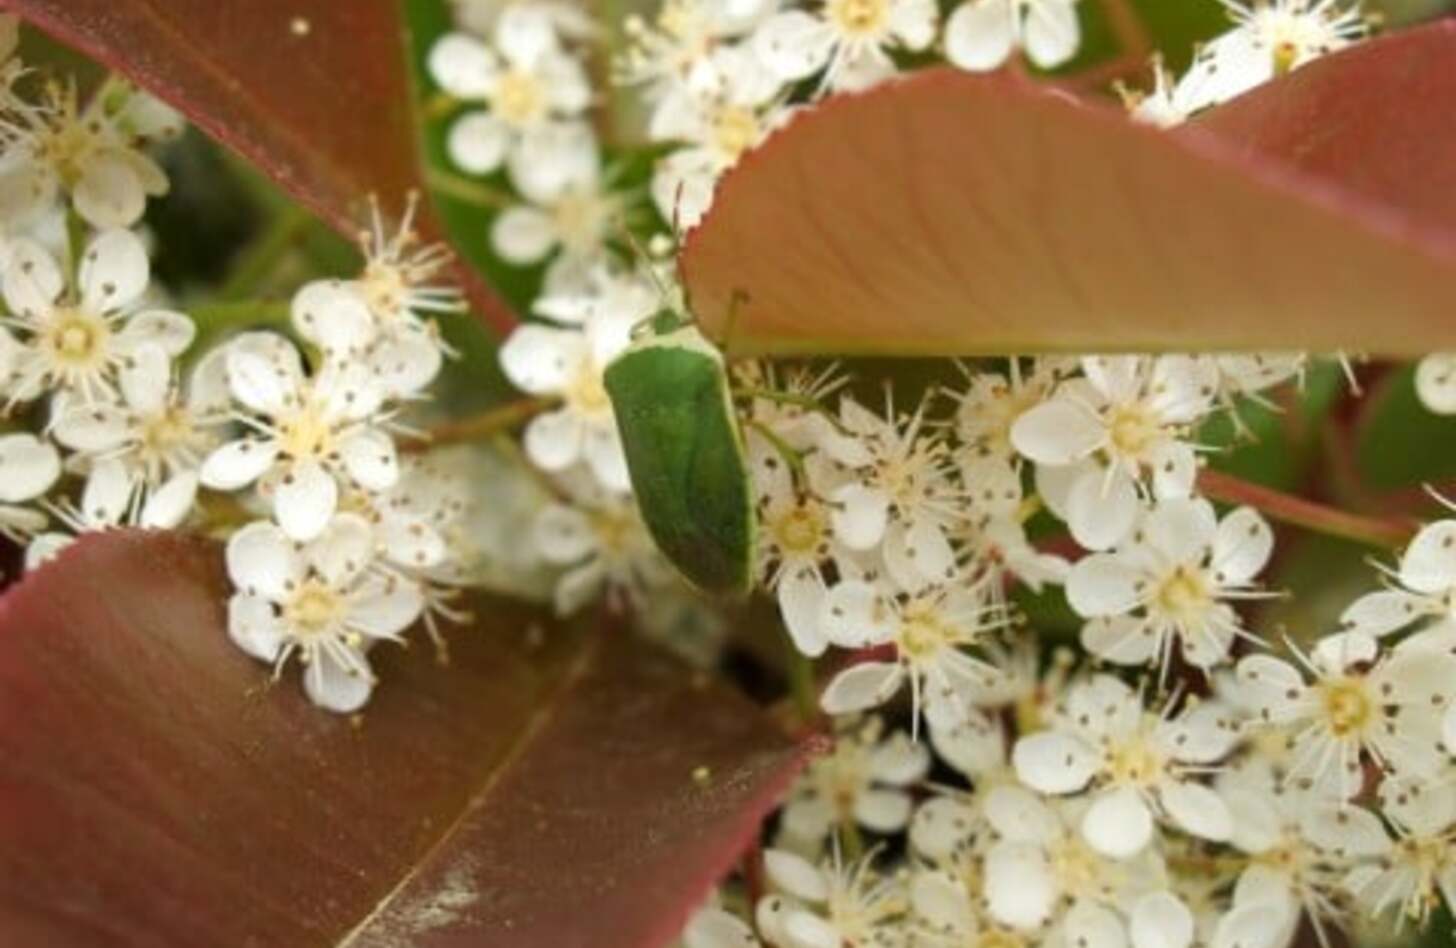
[
  {"x": 258, "y": 261},
  {"x": 792, "y": 458},
  {"x": 75, "y": 246},
  {"x": 213, "y": 319},
  {"x": 802, "y": 684},
  {"x": 470, "y": 192},
  {"x": 1386, "y": 533}
]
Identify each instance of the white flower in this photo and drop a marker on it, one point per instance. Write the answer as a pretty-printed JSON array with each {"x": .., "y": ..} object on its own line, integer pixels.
[
  {"x": 674, "y": 49},
  {"x": 991, "y": 403},
  {"x": 828, "y": 906},
  {"x": 1171, "y": 584},
  {"x": 568, "y": 215},
  {"x": 731, "y": 110},
  {"x": 1424, "y": 587},
  {"x": 78, "y": 343},
  {"x": 862, "y": 781},
  {"x": 1359, "y": 702},
  {"x": 797, "y": 546},
  {"x": 847, "y": 39},
  {"x": 1269, "y": 39},
  {"x": 982, "y": 34},
  {"x": 419, "y": 533},
  {"x": 320, "y": 601},
  {"x": 53, "y": 149},
  {"x": 1290, "y": 836},
  {"x": 601, "y": 538},
  {"x": 1139, "y": 765},
  {"x": 1436, "y": 382},
  {"x": 894, "y": 473},
  {"x": 929, "y": 627},
  {"x": 303, "y": 433},
  {"x": 401, "y": 286},
  {"x": 1100, "y": 438},
  {"x": 154, "y": 436},
  {"x": 1415, "y": 872},
  {"x": 569, "y": 363},
  {"x": 527, "y": 81},
  {"x": 1041, "y": 869}
]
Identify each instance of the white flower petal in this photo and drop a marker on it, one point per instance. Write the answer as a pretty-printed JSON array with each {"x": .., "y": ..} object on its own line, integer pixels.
[
  {"x": 262, "y": 561},
  {"x": 854, "y": 615},
  {"x": 794, "y": 44},
  {"x": 1054, "y": 762},
  {"x": 523, "y": 235},
  {"x": 330, "y": 314},
  {"x": 28, "y": 467},
  {"x": 1118, "y": 824},
  {"x": 1101, "y": 510},
  {"x": 238, "y": 463},
  {"x": 170, "y": 503},
  {"x": 1196, "y": 809},
  {"x": 384, "y": 608},
  {"x": 146, "y": 379},
  {"x": 1122, "y": 640},
  {"x": 883, "y": 811},
  {"x": 114, "y": 271},
  {"x": 980, "y": 34},
  {"x": 477, "y": 142},
  {"x": 1242, "y": 546},
  {"x": 1161, "y": 920},
  {"x": 109, "y": 193},
  {"x": 305, "y": 499},
  {"x": 33, "y": 279},
  {"x": 463, "y": 65},
  {"x": 335, "y": 687},
  {"x": 1104, "y": 585},
  {"x": 342, "y": 550},
  {"x": 795, "y": 875},
  {"x": 860, "y": 515},
  {"x": 370, "y": 459},
  {"x": 170, "y": 331},
  {"x": 1021, "y": 816},
  {"x": 1052, "y": 33},
  {"x": 862, "y": 687},
  {"x": 801, "y": 596},
  {"x": 1020, "y": 887},
  {"x": 108, "y": 493},
  {"x": 1089, "y": 925},
  {"x": 254, "y": 626},
  {"x": 553, "y": 440},
  {"x": 1429, "y": 563}
]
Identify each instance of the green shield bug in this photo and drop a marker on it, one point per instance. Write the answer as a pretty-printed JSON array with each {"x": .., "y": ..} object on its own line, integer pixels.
[{"x": 685, "y": 452}]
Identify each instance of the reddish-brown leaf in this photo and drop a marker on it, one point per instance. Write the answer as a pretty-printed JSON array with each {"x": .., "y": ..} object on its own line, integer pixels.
[
  {"x": 953, "y": 213},
  {"x": 315, "y": 92},
  {"x": 547, "y": 789}
]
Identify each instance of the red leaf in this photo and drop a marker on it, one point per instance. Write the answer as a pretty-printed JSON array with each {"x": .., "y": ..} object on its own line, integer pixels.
[
  {"x": 955, "y": 213},
  {"x": 154, "y": 790},
  {"x": 315, "y": 92}
]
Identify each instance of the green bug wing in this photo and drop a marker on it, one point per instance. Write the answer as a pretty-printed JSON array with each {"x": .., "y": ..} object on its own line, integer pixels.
[{"x": 686, "y": 458}]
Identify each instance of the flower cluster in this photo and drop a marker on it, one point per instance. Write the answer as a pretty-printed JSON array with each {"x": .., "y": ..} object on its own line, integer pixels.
[
  {"x": 1178, "y": 778},
  {"x": 283, "y": 443}
]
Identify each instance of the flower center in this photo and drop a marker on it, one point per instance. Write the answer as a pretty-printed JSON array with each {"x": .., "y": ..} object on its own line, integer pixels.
[
  {"x": 518, "y": 99},
  {"x": 1075, "y": 866},
  {"x": 384, "y": 289},
  {"x": 77, "y": 339},
  {"x": 167, "y": 429},
  {"x": 800, "y": 530},
  {"x": 1347, "y": 705},
  {"x": 1135, "y": 763},
  {"x": 1132, "y": 429},
  {"x": 613, "y": 530},
  {"x": 922, "y": 632},
  {"x": 735, "y": 130},
  {"x": 314, "y": 609},
  {"x": 999, "y": 938},
  {"x": 67, "y": 146},
  {"x": 580, "y": 218},
  {"x": 1183, "y": 595},
  {"x": 586, "y": 394},
  {"x": 860, "y": 18},
  {"x": 305, "y": 434}
]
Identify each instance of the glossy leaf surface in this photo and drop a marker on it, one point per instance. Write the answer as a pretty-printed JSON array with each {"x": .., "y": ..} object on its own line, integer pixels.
[
  {"x": 548, "y": 788},
  {"x": 955, "y": 213}
]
